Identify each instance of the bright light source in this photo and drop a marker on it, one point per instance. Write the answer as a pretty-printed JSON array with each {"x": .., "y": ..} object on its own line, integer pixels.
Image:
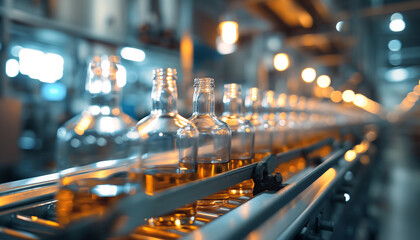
[
  {"x": 121, "y": 76},
  {"x": 308, "y": 75},
  {"x": 336, "y": 96},
  {"x": 323, "y": 81},
  {"x": 350, "y": 155},
  {"x": 281, "y": 61},
  {"x": 348, "y": 96},
  {"x": 396, "y": 74},
  {"x": 224, "y": 48},
  {"x": 396, "y": 16},
  {"x": 46, "y": 68},
  {"x": 346, "y": 197},
  {"x": 339, "y": 26},
  {"x": 397, "y": 25},
  {"x": 133, "y": 54},
  {"x": 360, "y": 100},
  {"x": 394, "y": 45},
  {"x": 12, "y": 68},
  {"x": 229, "y": 31}
]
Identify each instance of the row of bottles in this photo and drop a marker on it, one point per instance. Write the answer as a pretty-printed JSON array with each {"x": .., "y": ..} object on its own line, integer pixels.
[{"x": 103, "y": 155}]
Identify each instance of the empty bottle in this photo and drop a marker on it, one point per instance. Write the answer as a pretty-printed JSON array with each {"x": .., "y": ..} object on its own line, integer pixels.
[
  {"x": 96, "y": 150},
  {"x": 263, "y": 130},
  {"x": 270, "y": 106},
  {"x": 243, "y": 133},
  {"x": 213, "y": 155},
  {"x": 169, "y": 147}
]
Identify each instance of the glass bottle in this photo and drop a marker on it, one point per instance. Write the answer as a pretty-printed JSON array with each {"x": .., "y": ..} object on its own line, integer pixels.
[
  {"x": 281, "y": 113},
  {"x": 242, "y": 140},
  {"x": 269, "y": 106},
  {"x": 169, "y": 146},
  {"x": 293, "y": 136},
  {"x": 213, "y": 155},
  {"x": 96, "y": 149},
  {"x": 263, "y": 130}
]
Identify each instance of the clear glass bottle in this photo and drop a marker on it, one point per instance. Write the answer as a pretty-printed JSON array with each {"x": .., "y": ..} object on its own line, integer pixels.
[
  {"x": 243, "y": 134},
  {"x": 292, "y": 136},
  {"x": 213, "y": 155},
  {"x": 281, "y": 113},
  {"x": 263, "y": 129},
  {"x": 169, "y": 146},
  {"x": 96, "y": 149},
  {"x": 269, "y": 113}
]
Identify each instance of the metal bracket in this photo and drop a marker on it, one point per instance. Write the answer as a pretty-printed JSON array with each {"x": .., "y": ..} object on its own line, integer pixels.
[{"x": 265, "y": 181}]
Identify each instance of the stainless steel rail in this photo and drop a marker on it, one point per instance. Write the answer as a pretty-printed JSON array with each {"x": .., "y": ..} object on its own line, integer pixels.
[
  {"x": 126, "y": 216},
  {"x": 163, "y": 202}
]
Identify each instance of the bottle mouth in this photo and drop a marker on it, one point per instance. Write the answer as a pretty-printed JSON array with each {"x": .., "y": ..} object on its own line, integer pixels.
[
  {"x": 204, "y": 83},
  {"x": 165, "y": 74},
  {"x": 254, "y": 94},
  {"x": 253, "y": 98},
  {"x": 233, "y": 90}
]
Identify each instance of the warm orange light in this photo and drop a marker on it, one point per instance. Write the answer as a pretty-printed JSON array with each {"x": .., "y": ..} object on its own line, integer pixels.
[
  {"x": 360, "y": 100},
  {"x": 359, "y": 148},
  {"x": 318, "y": 91},
  {"x": 336, "y": 96},
  {"x": 281, "y": 61},
  {"x": 323, "y": 81},
  {"x": 293, "y": 99},
  {"x": 281, "y": 100},
  {"x": 412, "y": 97},
  {"x": 305, "y": 20},
  {"x": 348, "y": 96},
  {"x": 229, "y": 31},
  {"x": 83, "y": 124},
  {"x": 350, "y": 155},
  {"x": 416, "y": 89},
  {"x": 308, "y": 75},
  {"x": 326, "y": 92}
]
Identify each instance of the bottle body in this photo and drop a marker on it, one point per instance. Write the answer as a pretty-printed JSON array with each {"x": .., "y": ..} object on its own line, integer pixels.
[
  {"x": 96, "y": 152},
  {"x": 269, "y": 107},
  {"x": 169, "y": 146},
  {"x": 243, "y": 134},
  {"x": 213, "y": 155},
  {"x": 263, "y": 129}
]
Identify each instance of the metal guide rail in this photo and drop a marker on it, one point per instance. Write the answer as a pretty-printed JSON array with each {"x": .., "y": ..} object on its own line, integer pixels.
[{"x": 27, "y": 207}]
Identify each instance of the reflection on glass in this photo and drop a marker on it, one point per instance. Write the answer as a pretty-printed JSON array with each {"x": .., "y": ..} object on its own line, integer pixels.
[
  {"x": 213, "y": 140},
  {"x": 169, "y": 147},
  {"x": 96, "y": 149}
]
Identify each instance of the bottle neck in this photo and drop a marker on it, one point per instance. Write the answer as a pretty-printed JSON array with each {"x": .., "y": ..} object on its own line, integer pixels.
[
  {"x": 164, "y": 97},
  {"x": 104, "y": 92},
  {"x": 232, "y": 105},
  {"x": 112, "y": 99},
  {"x": 203, "y": 100}
]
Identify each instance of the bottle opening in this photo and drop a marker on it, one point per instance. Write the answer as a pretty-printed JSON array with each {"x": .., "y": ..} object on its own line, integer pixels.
[
  {"x": 204, "y": 84},
  {"x": 165, "y": 75},
  {"x": 233, "y": 90}
]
